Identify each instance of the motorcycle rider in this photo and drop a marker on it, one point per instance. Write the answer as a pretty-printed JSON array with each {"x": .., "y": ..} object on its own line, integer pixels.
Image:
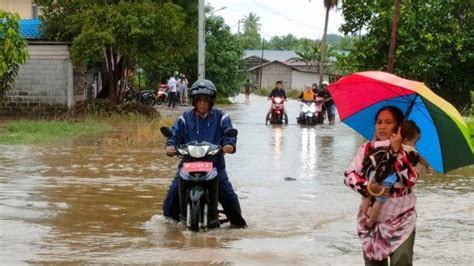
[
  {"x": 278, "y": 91},
  {"x": 308, "y": 95},
  {"x": 204, "y": 123},
  {"x": 328, "y": 102}
]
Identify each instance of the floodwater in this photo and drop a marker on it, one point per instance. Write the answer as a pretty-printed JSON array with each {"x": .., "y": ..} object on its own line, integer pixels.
[{"x": 86, "y": 201}]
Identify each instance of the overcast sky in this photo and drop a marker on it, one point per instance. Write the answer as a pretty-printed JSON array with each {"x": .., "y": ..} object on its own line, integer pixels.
[{"x": 301, "y": 18}]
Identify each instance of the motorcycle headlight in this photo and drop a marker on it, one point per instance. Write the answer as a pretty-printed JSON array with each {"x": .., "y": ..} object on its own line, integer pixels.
[
  {"x": 312, "y": 108},
  {"x": 304, "y": 108},
  {"x": 198, "y": 151},
  {"x": 277, "y": 100}
]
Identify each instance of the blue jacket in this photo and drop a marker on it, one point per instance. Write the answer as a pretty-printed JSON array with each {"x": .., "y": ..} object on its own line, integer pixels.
[{"x": 192, "y": 127}]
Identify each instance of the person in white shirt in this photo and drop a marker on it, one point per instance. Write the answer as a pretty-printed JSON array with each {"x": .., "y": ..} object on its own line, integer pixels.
[{"x": 173, "y": 91}]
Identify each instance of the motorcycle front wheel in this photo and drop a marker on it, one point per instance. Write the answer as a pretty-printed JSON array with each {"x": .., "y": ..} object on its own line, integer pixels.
[
  {"x": 150, "y": 101},
  {"x": 159, "y": 101},
  {"x": 194, "y": 215}
]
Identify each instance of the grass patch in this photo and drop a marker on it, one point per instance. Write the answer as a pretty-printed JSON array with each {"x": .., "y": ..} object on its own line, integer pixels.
[
  {"x": 223, "y": 100},
  {"x": 470, "y": 124},
  {"x": 38, "y": 131},
  {"x": 146, "y": 132}
]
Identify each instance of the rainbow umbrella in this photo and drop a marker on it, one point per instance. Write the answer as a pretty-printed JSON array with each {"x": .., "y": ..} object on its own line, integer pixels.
[{"x": 445, "y": 142}]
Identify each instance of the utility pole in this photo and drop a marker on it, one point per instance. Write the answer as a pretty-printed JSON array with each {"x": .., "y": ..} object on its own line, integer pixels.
[
  {"x": 201, "y": 41},
  {"x": 238, "y": 28},
  {"x": 261, "y": 65}
]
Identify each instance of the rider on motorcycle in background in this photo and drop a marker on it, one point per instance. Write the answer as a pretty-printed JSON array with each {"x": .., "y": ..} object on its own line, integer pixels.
[
  {"x": 328, "y": 102},
  {"x": 278, "y": 91},
  {"x": 204, "y": 123},
  {"x": 308, "y": 94}
]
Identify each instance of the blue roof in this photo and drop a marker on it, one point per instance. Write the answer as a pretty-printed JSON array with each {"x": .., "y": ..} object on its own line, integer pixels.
[{"x": 30, "y": 29}]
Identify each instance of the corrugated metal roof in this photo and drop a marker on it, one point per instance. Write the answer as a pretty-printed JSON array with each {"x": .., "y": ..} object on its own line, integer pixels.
[
  {"x": 30, "y": 29},
  {"x": 271, "y": 55}
]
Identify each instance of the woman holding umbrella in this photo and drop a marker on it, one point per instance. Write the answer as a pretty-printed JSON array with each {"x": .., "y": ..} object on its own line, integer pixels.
[
  {"x": 394, "y": 233},
  {"x": 446, "y": 145}
]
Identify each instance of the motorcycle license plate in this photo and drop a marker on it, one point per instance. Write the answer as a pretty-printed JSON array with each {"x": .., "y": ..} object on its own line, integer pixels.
[{"x": 197, "y": 167}]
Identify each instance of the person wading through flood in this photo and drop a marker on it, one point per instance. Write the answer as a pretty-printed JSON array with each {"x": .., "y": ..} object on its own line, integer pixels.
[{"x": 393, "y": 234}]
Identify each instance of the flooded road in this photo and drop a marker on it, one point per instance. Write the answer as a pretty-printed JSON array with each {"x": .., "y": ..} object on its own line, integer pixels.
[{"x": 90, "y": 201}]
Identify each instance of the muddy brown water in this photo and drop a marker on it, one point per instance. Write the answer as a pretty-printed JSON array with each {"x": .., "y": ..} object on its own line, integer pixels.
[{"x": 86, "y": 201}]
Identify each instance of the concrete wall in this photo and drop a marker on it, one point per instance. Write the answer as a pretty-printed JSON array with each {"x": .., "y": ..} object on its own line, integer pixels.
[
  {"x": 273, "y": 72},
  {"x": 45, "y": 83},
  {"x": 21, "y": 7},
  {"x": 299, "y": 79}
]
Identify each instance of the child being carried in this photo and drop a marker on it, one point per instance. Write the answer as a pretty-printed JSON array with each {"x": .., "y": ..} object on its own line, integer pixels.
[{"x": 378, "y": 167}]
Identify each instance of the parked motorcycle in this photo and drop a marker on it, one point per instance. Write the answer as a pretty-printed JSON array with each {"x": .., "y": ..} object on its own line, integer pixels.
[
  {"x": 145, "y": 97},
  {"x": 162, "y": 95},
  {"x": 311, "y": 113},
  {"x": 198, "y": 184},
  {"x": 277, "y": 115}
]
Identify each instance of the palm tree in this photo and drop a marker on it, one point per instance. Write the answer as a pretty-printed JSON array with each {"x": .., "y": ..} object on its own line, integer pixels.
[
  {"x": 328, "y": 4},
  {"x": 251, "y": 37},
  {"x": 251, "y": 23}
]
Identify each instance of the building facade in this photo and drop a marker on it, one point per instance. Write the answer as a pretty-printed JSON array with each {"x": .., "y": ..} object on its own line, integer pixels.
[{"x": 25, "y": 8}]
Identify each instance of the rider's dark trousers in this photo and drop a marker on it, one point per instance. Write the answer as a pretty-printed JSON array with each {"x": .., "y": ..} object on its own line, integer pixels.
[
  {"x": 227, "y": 198},
  {"x": 172, "y": 98}
]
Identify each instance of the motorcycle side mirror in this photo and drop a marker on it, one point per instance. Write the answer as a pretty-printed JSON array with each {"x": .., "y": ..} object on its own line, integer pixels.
[
  {"x": 166, "y": 131},
  {"x": 231, "y": 132}
]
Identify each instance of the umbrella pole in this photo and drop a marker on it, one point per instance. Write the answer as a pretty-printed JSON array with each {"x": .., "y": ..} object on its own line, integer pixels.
[{"x": 407, "y": 113}]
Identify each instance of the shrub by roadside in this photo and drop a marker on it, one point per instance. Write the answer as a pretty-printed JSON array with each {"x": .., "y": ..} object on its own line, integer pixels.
[
  {"x": 290, "y": 93},
  {"x": 105, "y": 108}
]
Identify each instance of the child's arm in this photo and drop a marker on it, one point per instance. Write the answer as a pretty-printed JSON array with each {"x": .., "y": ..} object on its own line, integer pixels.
[{"x": 424, "y": 162}]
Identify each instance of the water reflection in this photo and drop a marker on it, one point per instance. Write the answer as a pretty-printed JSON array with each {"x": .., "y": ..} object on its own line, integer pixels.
[
  {"x": 325, "y": 144},
  {"x": 278, "y": 141},
  {"x": 308, "y": 148}
]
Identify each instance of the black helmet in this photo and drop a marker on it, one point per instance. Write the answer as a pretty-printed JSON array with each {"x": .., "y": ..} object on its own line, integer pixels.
[{"x": 203, "y": 87}]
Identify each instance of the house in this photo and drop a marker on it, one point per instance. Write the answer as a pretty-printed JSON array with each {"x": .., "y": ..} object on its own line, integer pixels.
[
  {"x": 48, "y": 82},
  {"x": 265, "y": 67},
  {"x": 26, "y": 9}
]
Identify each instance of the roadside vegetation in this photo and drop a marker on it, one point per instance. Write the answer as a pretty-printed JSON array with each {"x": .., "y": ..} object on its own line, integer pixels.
[
  {"x": 26, "y": 131},
  {"x": 470, "y": 121},
  {"x": 290, "y": 93},
  {"x": 122, "y": 124}
]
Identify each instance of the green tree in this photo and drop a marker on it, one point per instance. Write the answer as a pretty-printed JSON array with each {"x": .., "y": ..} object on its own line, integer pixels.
[
  {"x": 13, "y": 51},
  {"x": 224, "y": 52},
  {"x": 435, "y": 42},
  {"x": 309, "y": 53},
  {"x": 119, "y": 35},
  {"x": 288, "y": 42},
  {"x": 251, "y": 38}
]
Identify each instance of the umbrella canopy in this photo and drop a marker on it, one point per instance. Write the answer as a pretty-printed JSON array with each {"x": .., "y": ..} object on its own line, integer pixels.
[{"x": 445, "y": 142}]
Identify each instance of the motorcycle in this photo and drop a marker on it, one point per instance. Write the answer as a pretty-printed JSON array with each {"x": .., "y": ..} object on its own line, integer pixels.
[
  {"x": 277, "y": 115},
  {"x": 311, "y": 113},
  {"x": 145, "y": 97},
  {"x": 198, "y": 184},
  {"x": 162, "y": 95},
  {"x": 307, "y": 113}
]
